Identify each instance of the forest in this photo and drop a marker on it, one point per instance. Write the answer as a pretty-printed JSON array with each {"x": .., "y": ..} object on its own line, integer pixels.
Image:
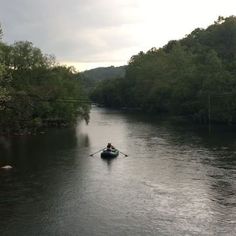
[
  {"x": 102, "y": 73},
  {"x": 36, "y": 92},
  {"x": 194, "y": 77}
]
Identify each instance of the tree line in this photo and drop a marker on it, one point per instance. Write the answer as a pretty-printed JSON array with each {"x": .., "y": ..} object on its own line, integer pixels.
[
  {"x": 102, "y": 73},
  {"x": 194, "y": 76},
  {"x": 35, "y": 91}
]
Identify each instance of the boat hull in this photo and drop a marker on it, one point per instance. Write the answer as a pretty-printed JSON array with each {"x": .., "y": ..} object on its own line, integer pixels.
[{"x": 109, "y": 154}]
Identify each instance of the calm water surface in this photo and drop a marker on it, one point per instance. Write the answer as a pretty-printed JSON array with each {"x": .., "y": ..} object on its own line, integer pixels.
[{"x": 177, "y": 180}]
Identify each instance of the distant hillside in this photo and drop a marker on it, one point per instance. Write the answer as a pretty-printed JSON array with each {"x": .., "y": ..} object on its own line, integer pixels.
[{"x": 103, "y": 73}]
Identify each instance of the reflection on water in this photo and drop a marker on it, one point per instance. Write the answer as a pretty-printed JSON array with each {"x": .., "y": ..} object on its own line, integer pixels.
[{"x": 177, "y": 180}]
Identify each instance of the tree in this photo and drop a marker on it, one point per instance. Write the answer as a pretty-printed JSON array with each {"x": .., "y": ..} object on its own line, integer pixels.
[
  {"x": 1, "y": 32},
  {"x": 180, "y": 77},
  {"x": 35, "y": 91},
  {"x": 4, "y": 80}
]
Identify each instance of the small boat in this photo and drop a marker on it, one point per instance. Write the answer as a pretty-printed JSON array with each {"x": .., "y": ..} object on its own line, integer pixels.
[{"x": 109, "y": 153}]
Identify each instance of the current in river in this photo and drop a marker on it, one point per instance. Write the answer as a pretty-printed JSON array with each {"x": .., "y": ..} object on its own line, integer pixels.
[{"x": 178, "y": 179}]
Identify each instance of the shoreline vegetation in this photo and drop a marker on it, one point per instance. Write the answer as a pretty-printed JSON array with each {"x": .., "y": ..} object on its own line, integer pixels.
[
  {"x": 193, "y": 77},
  {"x": 36, "y": 92}
]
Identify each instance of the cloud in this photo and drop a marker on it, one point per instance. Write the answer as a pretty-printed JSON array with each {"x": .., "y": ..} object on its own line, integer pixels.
[
  {"x": 97, "y": 31},
  {"x": 73, "y": 30}
]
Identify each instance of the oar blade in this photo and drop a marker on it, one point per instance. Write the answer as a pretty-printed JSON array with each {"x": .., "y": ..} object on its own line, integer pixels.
[{"x": 123, "y": 154}]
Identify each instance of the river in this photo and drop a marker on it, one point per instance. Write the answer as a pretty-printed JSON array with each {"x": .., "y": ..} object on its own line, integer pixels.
[{"x": 178, "y": 179}]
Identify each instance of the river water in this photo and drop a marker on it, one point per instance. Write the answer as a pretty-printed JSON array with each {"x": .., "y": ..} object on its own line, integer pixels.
[{"x": 177, "y": 179}]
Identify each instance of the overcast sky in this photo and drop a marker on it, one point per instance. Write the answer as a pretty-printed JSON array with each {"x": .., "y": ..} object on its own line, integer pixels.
[{"x": 93, "y": 33}]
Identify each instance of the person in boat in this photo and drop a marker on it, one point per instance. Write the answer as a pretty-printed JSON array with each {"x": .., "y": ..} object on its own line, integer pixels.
[{"x": 110, "y": 147}]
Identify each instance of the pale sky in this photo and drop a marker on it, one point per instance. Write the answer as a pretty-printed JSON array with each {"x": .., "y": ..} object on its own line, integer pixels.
[{"x": 94, "y": 33}]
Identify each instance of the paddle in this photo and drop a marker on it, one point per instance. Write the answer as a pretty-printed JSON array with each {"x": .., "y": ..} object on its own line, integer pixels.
[
  {"x": 123, "y": 153},
  {"x": 96, "y": 152}
]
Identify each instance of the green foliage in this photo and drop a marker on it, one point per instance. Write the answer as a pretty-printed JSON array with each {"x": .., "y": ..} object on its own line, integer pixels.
[
  {"x": 107, "y": 88},
  {"x": 1, "y": 33},
  {"x": 180, "y": 77},
  {"x": 103, "y": 73},
  {"x": 35, "y": 92},
  {"x": 4, "y": 80}
]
